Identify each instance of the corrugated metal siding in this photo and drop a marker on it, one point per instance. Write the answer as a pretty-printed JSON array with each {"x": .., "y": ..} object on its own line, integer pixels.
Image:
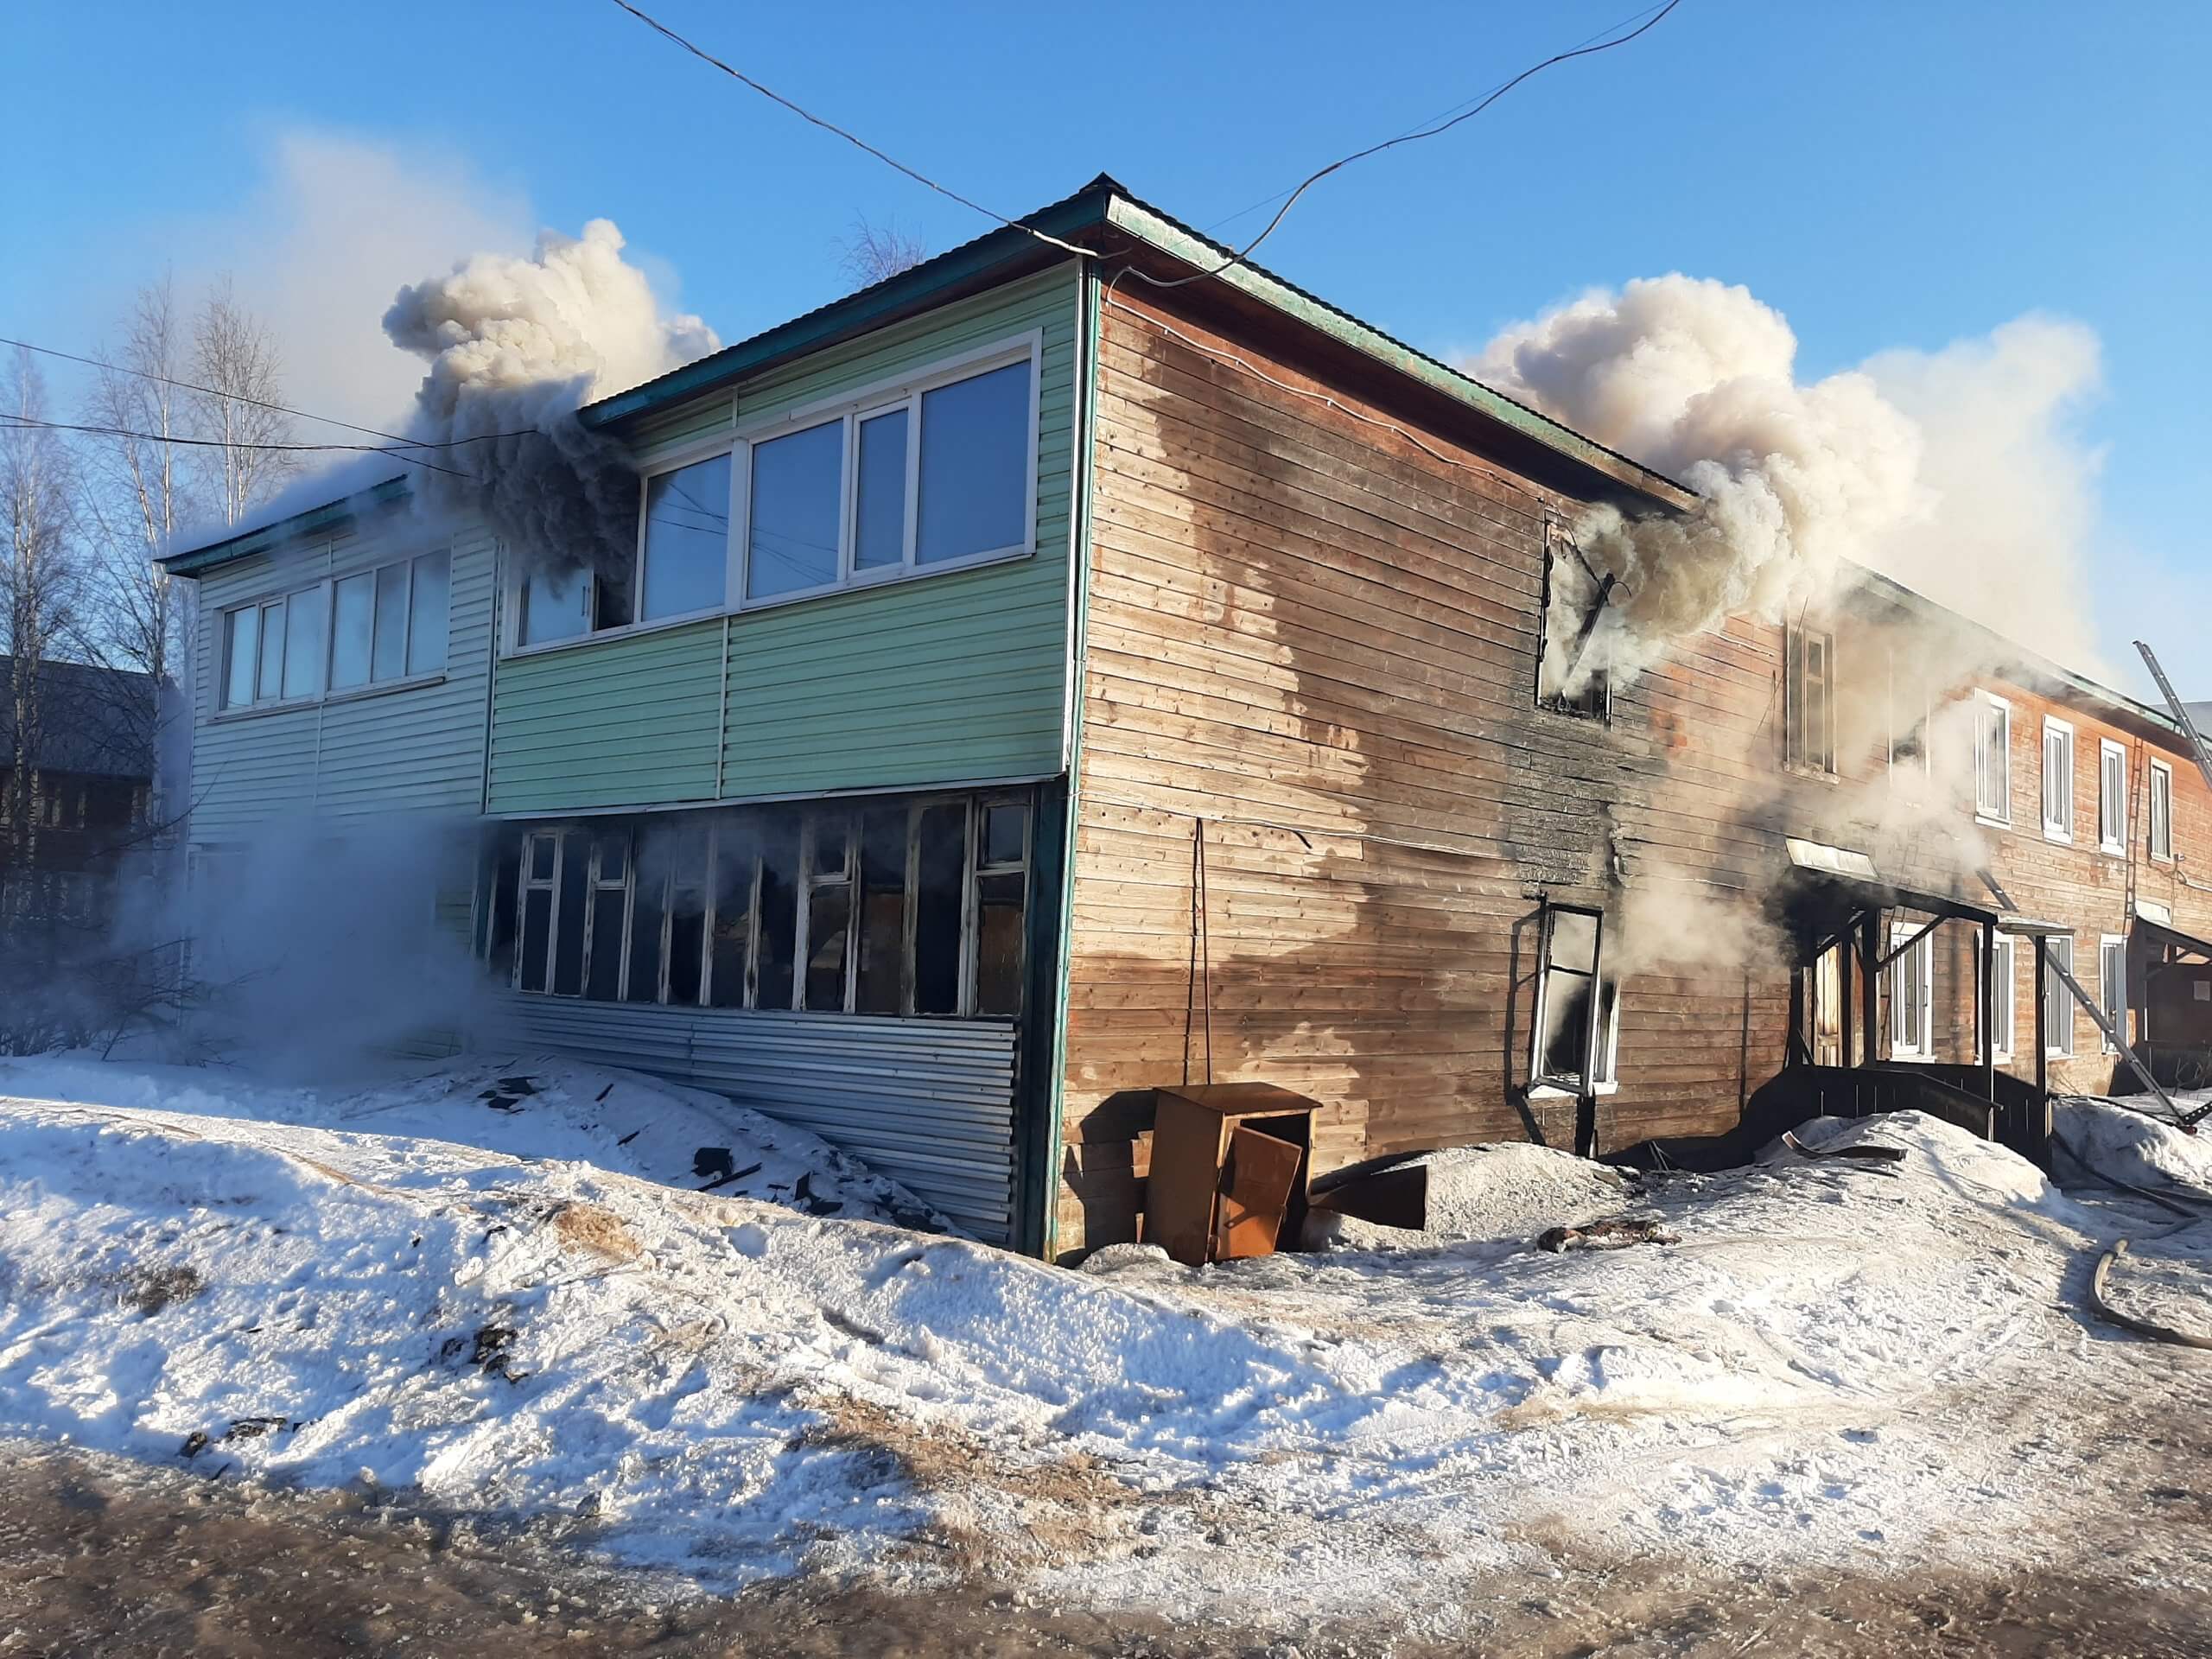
[
  {"x": 417, "y": 751},
  {"x": 928, "y": 1102},
  {"x": 617, "y": 722},
  {"x": 943, "y": 678}
]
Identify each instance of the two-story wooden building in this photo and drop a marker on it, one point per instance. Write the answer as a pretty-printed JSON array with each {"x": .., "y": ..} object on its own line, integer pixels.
[{"x": 1034, "y": 684}]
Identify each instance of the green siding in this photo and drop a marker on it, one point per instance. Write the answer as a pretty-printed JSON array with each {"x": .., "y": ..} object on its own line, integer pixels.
[
  {"x": 617, "y": 722},
  {"x": 936, "y": 680},
  {"x": 940, "y": 679}
]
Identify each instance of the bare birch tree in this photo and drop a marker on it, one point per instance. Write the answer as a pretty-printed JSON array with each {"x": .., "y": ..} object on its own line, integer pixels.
[
  {"x": 874, "y": 252},
  {"x": 38, "y": 583},
  {"x": 235, "y": 357},
  {"x": 137, "y": 494}
]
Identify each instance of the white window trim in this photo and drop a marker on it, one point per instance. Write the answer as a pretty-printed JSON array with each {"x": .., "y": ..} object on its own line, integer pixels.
[
  {"x": 1988, "y": 815},
  {"x": 326, "y": 693},
  {"x": 2005, "y": 996},
  {"x": 2159, "y": 768},
  {"x": 1923, "y": 1046},
  {"x": 2104, "y": 943},
  {"x": 2062, "y": 1048},
  {"x": 2053, "y": 829},
  {"x": 877, "y": 398},
  {"x": 2114, "y": 844}
]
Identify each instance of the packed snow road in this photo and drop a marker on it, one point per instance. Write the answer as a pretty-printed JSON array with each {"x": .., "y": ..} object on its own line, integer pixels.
[{"x": 495, "y": 1295}]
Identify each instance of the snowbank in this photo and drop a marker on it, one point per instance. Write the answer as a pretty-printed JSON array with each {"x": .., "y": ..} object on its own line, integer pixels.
[
  {"x": 724, "y": 1388},
  {"x": 2115, "y": 1142}
]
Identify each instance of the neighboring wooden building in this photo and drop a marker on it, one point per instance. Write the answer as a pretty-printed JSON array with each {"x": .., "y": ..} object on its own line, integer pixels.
[
  {"x": 94, "y": 775},
  {"x": 1037, "y": 685}
]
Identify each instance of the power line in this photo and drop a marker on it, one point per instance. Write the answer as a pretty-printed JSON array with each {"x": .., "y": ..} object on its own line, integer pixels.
[
  {"x": 1239, "y": 256},
  {"x": 26, "y": 422},
  {"x": 257, "y": 403},
  {"x": 1412, "y": 132},
  {"x": 854, "y": 139}
]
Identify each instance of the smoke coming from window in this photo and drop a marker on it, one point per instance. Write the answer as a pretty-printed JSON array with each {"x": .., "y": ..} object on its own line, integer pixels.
[
  {"x": 1953, "y": 471},
  {"x": 516, "y": 347}
]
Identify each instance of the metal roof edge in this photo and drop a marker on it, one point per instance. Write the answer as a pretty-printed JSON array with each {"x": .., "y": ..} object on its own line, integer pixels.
[
  {"x": 193, "y": 561},
  {"x": 2016, "y": 655},
  {"x": 1180, "y": 241}
]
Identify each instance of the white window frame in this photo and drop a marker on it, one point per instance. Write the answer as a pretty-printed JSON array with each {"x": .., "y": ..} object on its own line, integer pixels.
[
  {"x": 2060, "y": 829},
  {"x": 2109, "y": 947},
  {"x": 2004, "y": 999},
  {"x": 1605, "y": 1069},
  {"x": 2058, "y": 1033},
  {"x": 2161, "y": 813},
  {"x": 2111, "y": 797},
  {"x": 327, "y": 586},
  {"x": 1987, "y": 702},
  {"x": 1920, "y": 1044},
  {"x": 851, "y": 408}
]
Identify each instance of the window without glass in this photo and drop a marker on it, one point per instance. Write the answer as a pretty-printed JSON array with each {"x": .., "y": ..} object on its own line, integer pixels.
[
  {"x": 553, "y": 606},
  {"x": 1575, "y": 602},
  {"x": 776, "y": 968},
  {"x": 729, "y": 950},
  {"x": 685, "y": 542},
  {"x": 828, "y": 912},
  {"x": 879, "y": 973},
  {"x": 1992, "y": 759},
  {"x": 2112, "y": 985},
  {"x": 610, "y": 910},
  {"x": 2112, "y": 796},
  {"x": 2058, "y": 1000},
  {"x": 1808, "y": 692},
  {"x": 2162, "y": 810},
  {"x": 2057, "y": 781},
  {"x": 1576, "y": 1011},
  {"x": 1910, "y": 760}
]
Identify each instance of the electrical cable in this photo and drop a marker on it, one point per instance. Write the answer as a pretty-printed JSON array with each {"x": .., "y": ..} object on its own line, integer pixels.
[
  {"x": 256, "y": 402},
  {"x": 28, "y": 423}
]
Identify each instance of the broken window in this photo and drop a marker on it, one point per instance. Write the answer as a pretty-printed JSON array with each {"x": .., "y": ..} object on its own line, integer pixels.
[
  {"x": 1571, "y": 674},
  {"x": 1808, "y": 697},
  {"x": 891, "y": 909},
  {"x": 1909, "y": 710},
  {"x": 1578, "y": 1012},
  {"x": 552, "y": 606},
  {"x": 2162, "y": 810},
  {"x": 1992, "y": 758}
]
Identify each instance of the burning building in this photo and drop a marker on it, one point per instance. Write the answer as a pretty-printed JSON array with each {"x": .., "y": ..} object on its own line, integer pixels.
[{"x": 1038, "y": 679}]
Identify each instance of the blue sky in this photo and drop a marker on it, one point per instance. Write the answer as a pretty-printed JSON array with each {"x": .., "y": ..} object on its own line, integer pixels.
[{"x": 1888, "y": 176}]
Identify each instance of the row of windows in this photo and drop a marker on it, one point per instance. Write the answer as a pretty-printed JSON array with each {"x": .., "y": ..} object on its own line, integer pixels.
[
  {"x": 935, "y": 474},
  {"x": 378, "y": 625},
  {"x": 1993, "y": 782},
  {"x": 1911, "y": 988},
  {"x": 912, "y": 907}
]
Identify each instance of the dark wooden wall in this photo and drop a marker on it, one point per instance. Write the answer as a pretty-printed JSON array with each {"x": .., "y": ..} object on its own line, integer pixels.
[{"x": 1315, "y": 644}]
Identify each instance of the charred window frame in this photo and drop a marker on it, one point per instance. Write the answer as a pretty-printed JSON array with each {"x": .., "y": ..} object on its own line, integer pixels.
[
  {"x": 1577, "y": 1025},
  {"x": 900, "y": 908},
  {"x": 1574, "y": 600},
  {"x": 1808, "y": 698},
  {"x": 1912, "y": 713}
]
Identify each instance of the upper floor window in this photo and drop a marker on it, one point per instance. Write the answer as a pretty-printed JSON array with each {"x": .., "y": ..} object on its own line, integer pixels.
[
  {"x": 935, "y": 473},
  {"x": 1992, "y": 758},
  {"x": 1574, "y": 604},
  {"x": 1808, "y": 698},
  {"x": 2112, "y": 796},
  {"x": 2058, "y": 780},
  {"x": 1910, "y": 762},
  {"x": 2162, "y": 810},
  {"x": 388, "y": 624}
]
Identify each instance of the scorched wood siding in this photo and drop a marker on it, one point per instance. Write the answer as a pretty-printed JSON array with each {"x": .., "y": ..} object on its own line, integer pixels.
[{"x": 1319, "y": 642}]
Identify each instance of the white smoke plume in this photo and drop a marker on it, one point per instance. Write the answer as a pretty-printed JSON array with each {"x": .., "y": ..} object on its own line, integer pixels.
[
  {"x": 516, "y": 347},
  {"x": 1954, "y": 472}
]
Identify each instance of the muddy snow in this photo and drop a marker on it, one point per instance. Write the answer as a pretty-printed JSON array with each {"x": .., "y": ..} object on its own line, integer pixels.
[{"x": 515, "y": 1304}]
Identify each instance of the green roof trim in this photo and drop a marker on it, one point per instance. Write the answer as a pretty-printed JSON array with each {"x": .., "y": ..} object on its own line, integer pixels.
[{"x": 246, "y": 543}]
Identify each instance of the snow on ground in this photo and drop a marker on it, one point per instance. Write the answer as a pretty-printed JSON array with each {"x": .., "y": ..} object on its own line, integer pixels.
[
  {"x": 2122, "y": 1141},
  {"x": 1834, "y": 1363}
]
